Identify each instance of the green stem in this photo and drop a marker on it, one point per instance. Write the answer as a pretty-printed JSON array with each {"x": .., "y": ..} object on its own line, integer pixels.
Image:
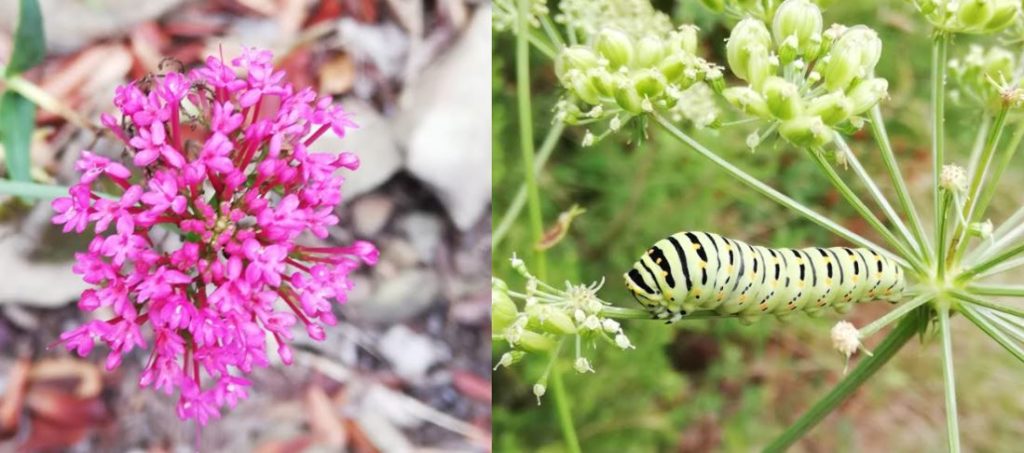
[
  {"x": 903, "y": 194},
  {"x": 988, "y": 304},
  {"x": 47, "y": 101},
  {"x": 773, "y": 194},
  {"x": 1004, "y": 266},
  {"x": 1007, "y": 232},
  {"x": 988, "y": 263},
  {"x": 952, "y": 425},
  {"x": 876, "y": 193},
  {"x": 943, "y": 226},
  {"x": 989, "y": 189},
  {"x": 996, "y": 290},
  {"x": 533, "y": 198},
  {"x": 562, "y": 407},
  {"x": 979, "y": 143},
  {"x": 938, "y": 93},
  {"x": 526, "y": 134},
  {"x": 862, "y": 209},
  {"x": 895, "y": 314},
  {"x": 519, "y": 201},
  {"x": 971, "y": 213},
  {"x": 32, "y": 190},
  {"x": 993, "y": 332},
  {"x": 892, "y": 343}
]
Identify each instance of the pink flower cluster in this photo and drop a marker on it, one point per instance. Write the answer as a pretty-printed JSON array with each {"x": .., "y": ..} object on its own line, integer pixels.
[{"x": 221, "y": 160}]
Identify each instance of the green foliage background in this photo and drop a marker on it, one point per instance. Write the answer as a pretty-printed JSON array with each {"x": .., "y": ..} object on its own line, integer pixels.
[{"x": 719, "y": 385}]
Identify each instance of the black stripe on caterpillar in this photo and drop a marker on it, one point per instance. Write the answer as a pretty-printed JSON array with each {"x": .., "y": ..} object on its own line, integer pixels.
[{"x": 695, "y": 271}]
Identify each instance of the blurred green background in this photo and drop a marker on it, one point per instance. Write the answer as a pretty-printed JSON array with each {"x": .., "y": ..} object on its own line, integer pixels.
[{"x": 718, "y": 385}]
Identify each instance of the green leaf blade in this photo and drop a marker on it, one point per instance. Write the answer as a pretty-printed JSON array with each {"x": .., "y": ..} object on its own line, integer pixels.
[
  {"x": 29, "y": 40},
  {"x": 17, "y": 122}
]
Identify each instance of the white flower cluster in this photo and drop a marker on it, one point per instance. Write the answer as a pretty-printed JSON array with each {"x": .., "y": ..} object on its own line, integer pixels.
[
  {"x": 983, "y": 75},
  {"x": 550, "y": 316}
]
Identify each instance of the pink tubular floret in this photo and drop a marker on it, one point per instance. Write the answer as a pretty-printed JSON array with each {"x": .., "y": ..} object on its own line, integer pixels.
[{"x": 238, "y": 185}]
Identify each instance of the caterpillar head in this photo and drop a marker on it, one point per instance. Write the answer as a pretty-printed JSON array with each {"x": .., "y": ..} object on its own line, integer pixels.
[{"x": 644, "y": 287}]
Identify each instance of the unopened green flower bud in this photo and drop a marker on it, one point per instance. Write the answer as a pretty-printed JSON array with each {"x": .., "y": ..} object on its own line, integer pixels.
[
  {"x": 602, "y": 81},
  {"x": 747, "y": 100},
  {"x": 539, "y": 390},
  {"x": 580, "y": 85},
  {"x": 800, "y": 19},
  {"x": 783, "y": 98},
  {"x": 582, "y": 365},
  {"x": 806, "y": 131},
  {"x": 975, "y": 13},
  {"x": 576, "y": 57},
  {"x": 714, "y": 5},
  {"x": 685, "y": 39},
  {"x": 867, "y": 93},
  {"x": 622, "y": 341},
  {"x": 760, "y": 66},
  {"x": 628, "y": 98},
  {"x": 509, "y": 358},
  {"x": 789, "y": 49},
  {"x": 531, "y": 341},
  {"x": 749, "y": 35},
  {"x": 1003, "y": 14},
  {"x": 503, "y": 310},
  {"x": 649, "y": 83},
  {"x": 550, "y": 319},
  {"x": 649, "y": 52},
  {"x": 674, "y": 67},
  {"x": 832, "y": 108},
  {"x": 853, "y": 55},
  {"x": 615, "y": 46}
]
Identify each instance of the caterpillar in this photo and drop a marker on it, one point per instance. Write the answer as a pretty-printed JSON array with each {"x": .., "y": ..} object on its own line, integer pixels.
[{"x": 695, "y": 271}]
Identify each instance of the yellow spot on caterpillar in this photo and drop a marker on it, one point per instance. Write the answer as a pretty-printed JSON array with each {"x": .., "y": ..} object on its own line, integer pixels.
[
  {"x": 703, "y": 264},
  {"x": 800, "y": 284},
  {"x": 728, "y": 268},
  {"x": 828, "y": 260},
  {"x": 828, "y": 281},
  {"x": 742, "y": 298},
  {"x": 721, "y": 296},
  {"x": 856, "y": 278},
  {"x": 696, "y": 292},
  {"x": 658, "y": 261},
  {"x": 878, "y": 275},
  {"x": 696, "y": 246}
]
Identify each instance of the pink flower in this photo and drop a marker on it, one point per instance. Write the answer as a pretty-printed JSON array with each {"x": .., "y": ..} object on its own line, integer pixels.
[{"x": 239, "y": 193}]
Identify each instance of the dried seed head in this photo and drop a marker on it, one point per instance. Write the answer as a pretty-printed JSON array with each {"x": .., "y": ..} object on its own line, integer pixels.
[{"x": 954, "y": 179}]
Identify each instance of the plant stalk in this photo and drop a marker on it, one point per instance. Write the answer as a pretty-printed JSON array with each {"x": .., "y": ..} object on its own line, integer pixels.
[
  {"x": 938, "y": 77},
  {"x": 867, "y": 367},
  {"x": 948, "y": 376},
  {"x": 519, "y": 201},
  {"x": 898, "y": 182}
]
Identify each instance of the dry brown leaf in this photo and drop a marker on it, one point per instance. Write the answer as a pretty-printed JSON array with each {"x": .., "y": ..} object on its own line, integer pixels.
[
  {"x": 14, "y": 396},
  {"x": 472, "y": 385},
  {"x": 337, "y": 74},
  {"x": 147, "y": 41},
  {"x": 88, "y": 375},
  {"x": 323, "y": 419},
  {"x": 64, "y": 408},
  {"x": 359, "y": 441}
]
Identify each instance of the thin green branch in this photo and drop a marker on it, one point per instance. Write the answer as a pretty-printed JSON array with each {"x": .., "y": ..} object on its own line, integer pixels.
[
  {"x": 940, "y": 237},
  {"x": 990, "y": 262},
  {"x": 533, "y": 198},
  {"x": 982, "y": 289},
  {"x": 519, "y": 201},
  {"x": 773, "y": 194},
  {"x": 971, "y": 212},
  {"x": 863, "y": 210},
  {"x": 979, "y": 143},
  {"x": 1006, "y": 155},
  {"x": 1004, "y": 266},
  {"x": 948, "y": 376},
  {"x": 893, "y": 315},
  {"x": 938, "y": 92},
  {"x": 880, "y": 198},
  {"x": 867, "y": 367},
  {"x": 992, "y": 331},
  {"x": 898, "y": 182},
  {"x": 988, "y": 304}
]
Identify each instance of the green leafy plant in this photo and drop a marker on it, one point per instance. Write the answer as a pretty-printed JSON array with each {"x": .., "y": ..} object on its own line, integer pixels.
[
  {"x": 18, "y": 104},
  {"x": 625, "y": 69}
]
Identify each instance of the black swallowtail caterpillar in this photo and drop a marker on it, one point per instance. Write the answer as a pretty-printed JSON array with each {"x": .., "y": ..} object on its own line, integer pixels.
[{"x": 695, "y": 271}]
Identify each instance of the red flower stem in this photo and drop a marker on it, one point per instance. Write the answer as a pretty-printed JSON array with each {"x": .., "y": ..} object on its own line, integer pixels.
[
  {"x": 315, "y": 135},
  {"x": 120, "y": 182},
  {"x": 284, "y": 295},
  {"x": 297, "y": 264},
  {"x": 176, "y": 127}
]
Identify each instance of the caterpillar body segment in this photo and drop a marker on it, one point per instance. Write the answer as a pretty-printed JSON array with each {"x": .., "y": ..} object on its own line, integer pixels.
[{"x": 697, "y": 271}]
